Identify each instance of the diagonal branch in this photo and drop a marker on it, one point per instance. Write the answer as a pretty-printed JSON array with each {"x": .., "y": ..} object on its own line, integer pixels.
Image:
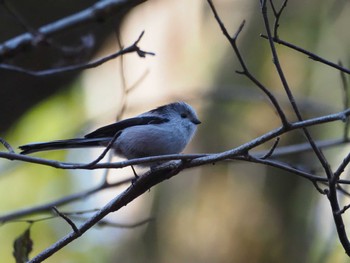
[
  {"x": 100, "y": 10},
  {"x": 272, "y": 150},
  {"x": 67, "y": 219},
  {"x": 130, "y": 49},
  {"x": 245, "y": 70},
  {"x": 60, "y": 202},
  {"x": 143, "y": 184},
  {"x": 311, "y": 55},
  {"x": 290, "y": 95},
  {"x": 332, "y": 178},
  {"x": 7, "y": 145}
]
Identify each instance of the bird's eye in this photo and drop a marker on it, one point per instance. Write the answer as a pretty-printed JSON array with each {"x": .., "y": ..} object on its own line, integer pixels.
[{"x": 183, "y": 115}]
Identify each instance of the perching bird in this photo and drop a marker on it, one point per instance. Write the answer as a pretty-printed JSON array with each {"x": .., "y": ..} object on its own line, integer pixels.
[{"x": 164, "y": 130}]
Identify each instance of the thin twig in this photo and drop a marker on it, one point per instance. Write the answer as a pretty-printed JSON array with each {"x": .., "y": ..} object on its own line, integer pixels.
[
  {"x": 273, "y": 148},
  {"x": 7, "y": 145},
  {"x": 341, "y": 167},
  {"x": 67, "y": 219},
  {"x": 98, "y": 11},
  {"x": 345, "y": 100},
  {"x": 290, "y": 95},
  {"x": 129, "y": 89},
  {"x": 332, "y": 178},
  {"x": 44, "y": 208},
  {"x": 130, "y": 49},
  {"x": 282, "y": 166},
  {"x": 103, "y": 223},
  {"x": 245, "y": 71},
  {"x": 311, "y": 55},
  {"x": 277, "y": 15},
  {"x": 143, "y": 184},
  {"x": 342, "y": 211},
  {"x": 24, "y": 24},
  {"x": 341, "y": 189},
  {"x": 105, "y": 151},
  {"x": 302, "y": 147},
  {"x": 318, "y": 188}
]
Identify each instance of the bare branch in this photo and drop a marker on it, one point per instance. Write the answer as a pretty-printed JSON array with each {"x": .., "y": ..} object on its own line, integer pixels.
[
  {"x": 271, "y": 151},
  {"x": 25, "y": 25},
  {"x": 277, "y": 15},
  {"x": 93, "y": 64},
  {"x": 342, "y": 211},
  {"x": 290, "y": 95},
  {"x": 332, "y": 178},
  {"x": 311, "y": 55},
  {"x": 196, "y": 159},
  {"x": 318, "y": 188},
  {"x": 284, "y": 167},
  {"x": 101, "y": 9},
  {"x": 103, "y": 223},
  {"x": 341, "y": 167},
  {"x": 245, "y": 70},
  {"x": 346, "y": 100},
  {"x": 178, "y": 162},
  {"x": 67, "y": 219},
  {"x": 302, "y": 147},
  {"x": 60, "y": 202},
  {"x": 145, "y": 182},
  {"x": 342, "y": 190},
  {"x": 7, "y": 145},
  {"x": 105, "y": 151}
]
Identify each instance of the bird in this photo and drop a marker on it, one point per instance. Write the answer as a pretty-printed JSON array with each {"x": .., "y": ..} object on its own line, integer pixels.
[{"x": 164, "y": 130}]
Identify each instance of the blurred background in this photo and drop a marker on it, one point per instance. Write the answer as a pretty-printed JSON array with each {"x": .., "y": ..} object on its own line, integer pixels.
[{"x": 227, "y": 212}]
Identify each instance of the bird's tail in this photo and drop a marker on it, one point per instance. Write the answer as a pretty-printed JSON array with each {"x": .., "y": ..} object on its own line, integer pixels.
[{"x": 63, "y": 144}]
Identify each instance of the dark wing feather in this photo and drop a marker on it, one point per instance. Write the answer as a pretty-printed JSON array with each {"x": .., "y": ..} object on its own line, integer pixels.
[{"x": 112, "y": 129}]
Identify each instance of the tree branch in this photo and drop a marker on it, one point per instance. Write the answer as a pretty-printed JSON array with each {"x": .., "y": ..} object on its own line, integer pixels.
[
  {"x": 196, "y": 159},
  {"x": 130, "y": 49},
  {"x": 245, "y": 71},
  {"x": 332, "y": 178},
  {"x": 60, "y": 202},
  {"x": 145, "y": 182},
  {"x": 311, "y": 55},
  {"x": 93, "y": 14}
]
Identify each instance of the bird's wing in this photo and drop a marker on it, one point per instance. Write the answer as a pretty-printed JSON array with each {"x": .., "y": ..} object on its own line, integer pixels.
[{"x": 112, "y": 129}]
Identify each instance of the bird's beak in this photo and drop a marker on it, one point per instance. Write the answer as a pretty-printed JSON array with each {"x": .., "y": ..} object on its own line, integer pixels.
[{"x": 196, "y": 121}]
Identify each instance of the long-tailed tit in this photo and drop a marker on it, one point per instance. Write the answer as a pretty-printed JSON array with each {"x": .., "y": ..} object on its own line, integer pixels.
[{"x": 164, "y": 130}]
